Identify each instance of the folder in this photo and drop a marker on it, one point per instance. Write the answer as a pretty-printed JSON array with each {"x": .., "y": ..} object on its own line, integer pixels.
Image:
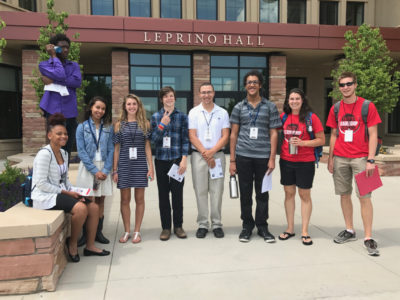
[{"x": 368, "y": 184}]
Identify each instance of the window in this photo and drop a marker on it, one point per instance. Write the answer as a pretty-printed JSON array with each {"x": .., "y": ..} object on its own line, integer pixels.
[
  {"x": 296, "y": 82},
  {"x": 102, "y": 7},
  {"x": 227, "y": 73},
  {"x": 10, "y": 103},
  {"x": 297, "y": 11},
  {"x": 206, "y": 9},
  {"x": 140, "y": 8},
  {"x": 394, "y": 120},
  {"x": 269, "y": 11},
  {"x": 99, "y": 85},
  {"x": 28, "y": 4},
  {"x": 171, "y": 9},
  {"x": 151, "y": 71},
  {"x": 355, "y": 13},
  {"x": 235, "y": 10},
  {"x": 328, "y": 13}
]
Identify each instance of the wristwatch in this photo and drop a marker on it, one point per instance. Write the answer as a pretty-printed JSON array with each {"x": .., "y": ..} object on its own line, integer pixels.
[{"x": 371, "y": 161}]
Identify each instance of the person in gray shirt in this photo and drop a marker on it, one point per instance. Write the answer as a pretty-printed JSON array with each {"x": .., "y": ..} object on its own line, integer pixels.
[{"x": 253, "y": 144}]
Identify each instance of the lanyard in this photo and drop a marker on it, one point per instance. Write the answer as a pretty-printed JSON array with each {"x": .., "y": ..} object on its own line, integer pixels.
[
  {"x": 251, "y": 114},
  {"x": 133, "y": 136},
  {"x": 97, "y": 142},
  {"x": 354, "y": 105},
  {"x": 208, "y": 122}
]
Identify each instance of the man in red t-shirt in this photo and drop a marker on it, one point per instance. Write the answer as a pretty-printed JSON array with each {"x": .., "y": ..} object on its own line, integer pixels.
[{"x": 352, "y": 152}]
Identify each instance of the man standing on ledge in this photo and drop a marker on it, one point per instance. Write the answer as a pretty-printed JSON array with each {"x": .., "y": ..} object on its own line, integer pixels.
[
  {"x": 253, "y": 143},
  {"x": 352, "y": 150},
  {"x": 208, "y": 133},
  {"x": 64, "y": 74}
]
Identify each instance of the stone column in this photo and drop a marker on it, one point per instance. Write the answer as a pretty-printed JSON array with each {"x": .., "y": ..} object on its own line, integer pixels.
[
  {"x": 33, "y": 124},
  {"x": 277, "y": 80},
  {"x": 120, "y": 80},
  {"x": 201, "y": 73}
]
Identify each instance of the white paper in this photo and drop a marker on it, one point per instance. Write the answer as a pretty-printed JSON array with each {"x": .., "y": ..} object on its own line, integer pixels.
[
  {"x": 267, "y": 183},
  {"x": 81, "y": 191},
  {"x": 173, "y": 172},
  {"x": 54, "y": 87},
  {"x": 217, "y": 171}
]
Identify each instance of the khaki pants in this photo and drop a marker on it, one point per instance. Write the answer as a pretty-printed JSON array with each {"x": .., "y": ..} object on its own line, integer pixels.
[
  {"x": 344, "y": 169},
  {"x": 204, "y": 185}
]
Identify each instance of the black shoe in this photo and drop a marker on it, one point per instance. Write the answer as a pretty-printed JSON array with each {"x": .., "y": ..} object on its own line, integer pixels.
[
  {"x": 82, "y": 239},
  {"x": 264, "y": 233},
  {"x": 218, "y": 233},
  {"x": 201, "y": 233},
  {"x": 87, "y": 252},
  {"x": 245, "y": 235},
  {"x": 73, "y": 258},
  {"x": 99, "y": 235}
]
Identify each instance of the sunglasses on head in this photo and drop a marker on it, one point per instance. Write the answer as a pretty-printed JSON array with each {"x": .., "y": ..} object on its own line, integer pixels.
[{"x": 346, "y": 84}]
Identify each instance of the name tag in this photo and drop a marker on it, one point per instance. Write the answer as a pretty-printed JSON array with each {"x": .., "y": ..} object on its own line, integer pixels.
[
  {"x": 348, "y": 136},
  {"x": 208, "y": 135},
  {"x": 132, "y": 153},
  {"x": 253, "y": 133},
  {"x": 310, "y": 128},
  {"x": 166, "y": 142},
  {"x": 97, "y": 156}
]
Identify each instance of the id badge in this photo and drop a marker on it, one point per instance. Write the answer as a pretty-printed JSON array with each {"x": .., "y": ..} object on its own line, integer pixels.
[
  {"x": 97, "y": 156},
  {"x": 348, "y": 135},
  {"x": 132, "y": 153},
  {"x": 208, "y": 135},
  {"x": 253, "y": 133},
  {"x": 166, "y": 142},
  {"x": 310, "y": 128}
]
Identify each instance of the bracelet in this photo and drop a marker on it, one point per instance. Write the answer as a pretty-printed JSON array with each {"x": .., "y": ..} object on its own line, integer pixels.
[
  {"x": 233, "y": 161},
  {"x": 161, "y": 123},
  {"x": 161, "y": 127},
  {"x": 113, "y": 173}
]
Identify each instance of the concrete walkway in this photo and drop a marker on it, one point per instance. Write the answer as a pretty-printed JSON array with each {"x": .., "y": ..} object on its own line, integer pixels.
[{"x": 213, "y": 268}]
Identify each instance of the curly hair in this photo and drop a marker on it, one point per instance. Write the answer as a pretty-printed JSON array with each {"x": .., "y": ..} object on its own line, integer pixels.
[
  {"x": 305, "y": 108},
  {"x": 55, "y": 120},
  {"x": 59, "y": 37}
]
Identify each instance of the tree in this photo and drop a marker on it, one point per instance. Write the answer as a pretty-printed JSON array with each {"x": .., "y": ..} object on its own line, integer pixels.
[
  {"x": 3, "y": 42},
  {"x": 367, "y": 56},
  {"x": 57, "y": 25}
]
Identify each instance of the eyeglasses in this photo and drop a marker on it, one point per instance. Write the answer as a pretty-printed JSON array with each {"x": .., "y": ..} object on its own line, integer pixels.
[
  {"x": 206, "y": 93},
  {"x": 250, "y": 82},
  {"x": 346, "y": 84}
]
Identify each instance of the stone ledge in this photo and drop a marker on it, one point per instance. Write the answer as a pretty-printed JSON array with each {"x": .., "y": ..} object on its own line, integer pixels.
[{"x": 26, "y": 222}]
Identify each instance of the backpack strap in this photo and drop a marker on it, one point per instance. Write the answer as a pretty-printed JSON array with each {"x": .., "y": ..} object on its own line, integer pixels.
[
  {"x": 364, "y": 115},
  {"x": 309, "y": 125},
  {"x": 284, "y": 118},
  {"x": 336, "y": 111}
]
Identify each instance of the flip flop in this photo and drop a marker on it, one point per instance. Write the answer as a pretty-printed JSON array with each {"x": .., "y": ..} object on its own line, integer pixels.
[
  {"x": 306, "y": 237},
  {"x": 288, "y": 236}
]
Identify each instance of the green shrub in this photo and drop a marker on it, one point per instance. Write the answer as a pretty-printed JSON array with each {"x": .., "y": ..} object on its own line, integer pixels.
[{"x": 10, "y": 186}]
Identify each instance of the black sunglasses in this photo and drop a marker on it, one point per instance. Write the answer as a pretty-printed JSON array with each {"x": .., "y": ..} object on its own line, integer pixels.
[{"x": 346, "y": 84}]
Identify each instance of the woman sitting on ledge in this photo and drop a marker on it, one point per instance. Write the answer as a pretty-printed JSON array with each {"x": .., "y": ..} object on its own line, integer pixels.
[{"x": 51, "y": 189}]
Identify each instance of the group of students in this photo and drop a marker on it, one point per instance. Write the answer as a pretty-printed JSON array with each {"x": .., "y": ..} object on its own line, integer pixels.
[{"x": 122, "y": 153}]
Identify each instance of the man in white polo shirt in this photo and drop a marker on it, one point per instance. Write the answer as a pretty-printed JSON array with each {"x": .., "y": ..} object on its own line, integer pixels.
[{"x": 208, "y": 132}]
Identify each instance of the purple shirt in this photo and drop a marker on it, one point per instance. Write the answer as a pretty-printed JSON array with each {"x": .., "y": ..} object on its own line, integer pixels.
[{"x": 67, "y": 74}]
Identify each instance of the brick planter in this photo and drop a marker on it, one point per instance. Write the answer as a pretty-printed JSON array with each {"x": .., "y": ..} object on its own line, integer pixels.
[{"x": 32, "y": 255}]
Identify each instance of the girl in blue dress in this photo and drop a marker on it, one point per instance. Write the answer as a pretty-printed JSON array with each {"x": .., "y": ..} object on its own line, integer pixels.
[{"x": 133, "y": 164}]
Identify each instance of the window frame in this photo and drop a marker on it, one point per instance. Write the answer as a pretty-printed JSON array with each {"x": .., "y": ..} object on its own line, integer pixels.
[
  {"x": 278, "y": 12},
  {"x": 216, "y": 11},
  {"x": 188, "y": 94},
  {"x": 245, "y": 12},
  {"x": 337, "y": 12},
  {"x": 305, "y": 11},
  {"x": 180, "y": 11},
  {"x": 363, "y": 11},
  {"x": 91, "y": 9},
  {"x": 34, "y": 4},
  {"x": 129, "y": 9}
]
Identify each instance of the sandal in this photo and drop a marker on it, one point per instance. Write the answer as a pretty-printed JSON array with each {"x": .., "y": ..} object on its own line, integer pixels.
[
  {"x": 306, "y": 237},
  {"x": 125, "y": 237},
  {"x": 288, "y": 236},
  {"x": 137, "y": 238}
]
